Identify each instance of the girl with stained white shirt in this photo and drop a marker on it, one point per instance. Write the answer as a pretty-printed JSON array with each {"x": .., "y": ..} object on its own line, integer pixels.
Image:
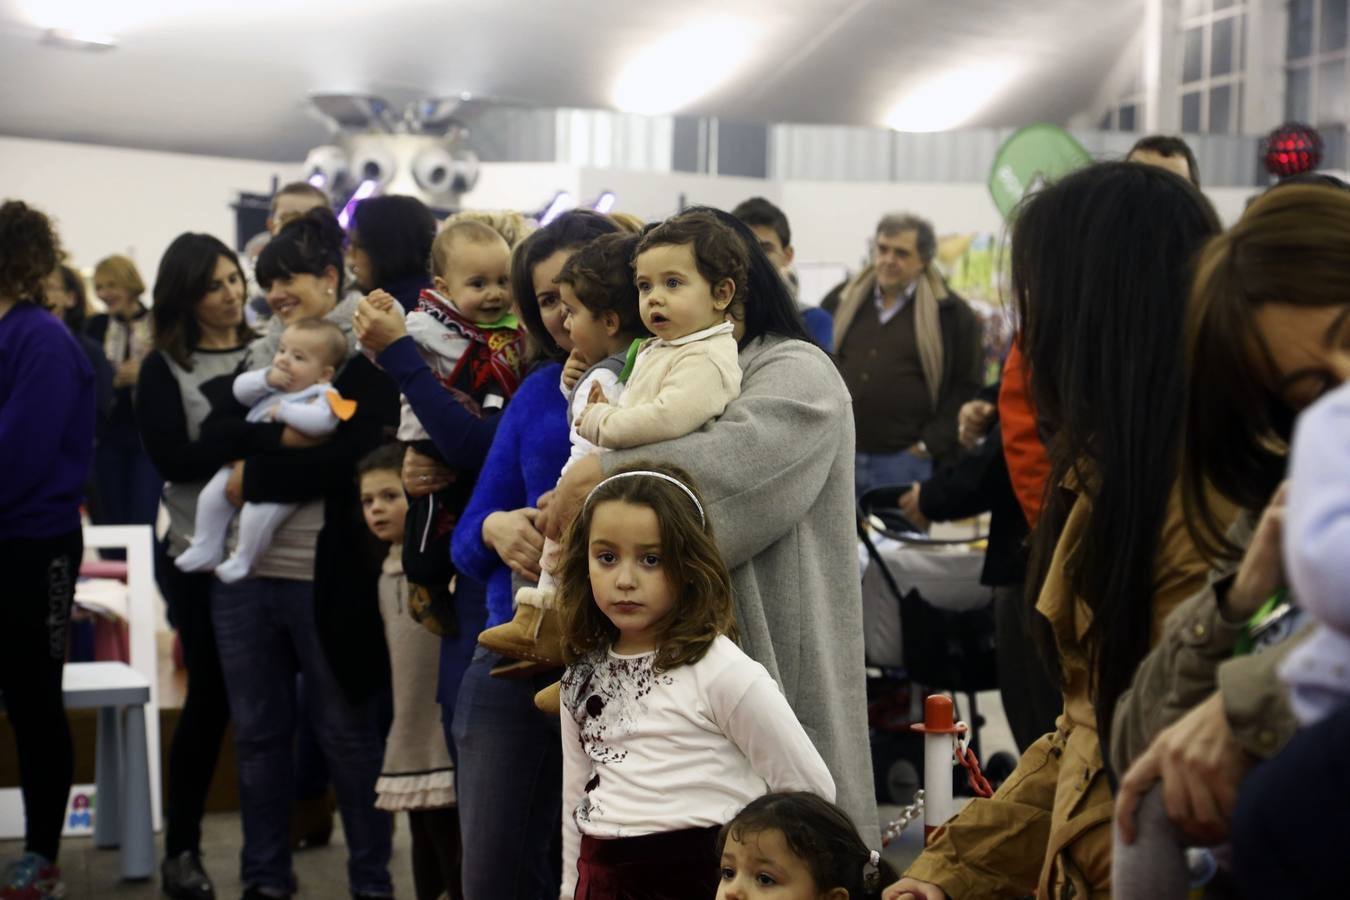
[{"x": 668, "y": 728}]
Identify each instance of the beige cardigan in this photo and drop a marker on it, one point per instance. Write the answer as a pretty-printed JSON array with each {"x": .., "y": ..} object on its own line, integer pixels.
[{"x": 676, "y": 388}]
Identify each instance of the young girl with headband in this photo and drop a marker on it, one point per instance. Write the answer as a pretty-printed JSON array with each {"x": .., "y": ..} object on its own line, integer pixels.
[
  {"x": 796, "y": 846},
  {"x": 668, "y": 728}
]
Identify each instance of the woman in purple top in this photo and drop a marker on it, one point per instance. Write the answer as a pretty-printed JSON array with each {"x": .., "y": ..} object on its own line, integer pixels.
[{"x": 47, "y": 394}]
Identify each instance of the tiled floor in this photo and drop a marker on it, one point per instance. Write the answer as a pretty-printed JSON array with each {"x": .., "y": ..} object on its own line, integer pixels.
[{"x": 90, "y": 872}]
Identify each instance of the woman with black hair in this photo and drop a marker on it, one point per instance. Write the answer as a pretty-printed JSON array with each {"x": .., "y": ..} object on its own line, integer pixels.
[
  {"x": 199, "y": 335},
  {"x": 1101, "y": 264},
  {"x": 777, "y": 470},
  {"x": 312, "y": 596},
  {"x": 389, "y": 246},
  {"x": 508, "y": 755}
]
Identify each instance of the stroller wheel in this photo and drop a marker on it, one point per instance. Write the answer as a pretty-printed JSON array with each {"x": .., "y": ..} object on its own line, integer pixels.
[
  {"x": 999, "y": 767},
  {"x": 902, "y": 780}
]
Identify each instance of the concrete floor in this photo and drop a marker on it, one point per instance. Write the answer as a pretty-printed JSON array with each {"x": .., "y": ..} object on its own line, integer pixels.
[
  {"x": 322, "y": 872},
  {"x": 93, "y": 873}
]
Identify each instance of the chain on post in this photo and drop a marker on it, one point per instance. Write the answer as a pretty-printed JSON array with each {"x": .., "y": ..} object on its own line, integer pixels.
[
  {"x": 974, "y": 777},
  {"x": 908, "y": 814}
]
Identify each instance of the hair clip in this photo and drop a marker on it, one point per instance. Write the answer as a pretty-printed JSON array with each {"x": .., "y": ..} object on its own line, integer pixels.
[{"x": 874, "y": 859}]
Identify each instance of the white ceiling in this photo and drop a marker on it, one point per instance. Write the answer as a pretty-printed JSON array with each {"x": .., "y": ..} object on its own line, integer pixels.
[{"x": 230, "y": 77}]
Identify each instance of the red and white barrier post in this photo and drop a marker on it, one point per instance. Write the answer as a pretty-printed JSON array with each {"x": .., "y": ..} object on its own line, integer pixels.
[{"x": 938, "y": 727}]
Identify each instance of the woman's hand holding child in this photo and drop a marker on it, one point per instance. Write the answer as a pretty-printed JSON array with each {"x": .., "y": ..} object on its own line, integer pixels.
[{"x": 516, "y": 539}]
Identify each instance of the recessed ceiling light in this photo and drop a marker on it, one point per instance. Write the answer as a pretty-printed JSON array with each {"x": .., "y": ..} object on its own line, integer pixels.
[
  {"x": 952, "y": 98},
  {"x": 681, "y": 67},
  {"x": 78, "y": 40}
]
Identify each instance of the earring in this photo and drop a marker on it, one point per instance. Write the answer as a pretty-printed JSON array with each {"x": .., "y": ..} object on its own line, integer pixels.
[{"x": 330, "y": 292}]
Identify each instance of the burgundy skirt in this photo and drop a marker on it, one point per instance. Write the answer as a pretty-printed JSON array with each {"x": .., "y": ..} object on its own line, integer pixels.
[{"x": 673, "y": 865}]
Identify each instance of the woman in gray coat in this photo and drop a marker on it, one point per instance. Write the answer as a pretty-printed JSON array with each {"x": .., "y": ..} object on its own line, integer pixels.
[{"x": 777, "y": 471}]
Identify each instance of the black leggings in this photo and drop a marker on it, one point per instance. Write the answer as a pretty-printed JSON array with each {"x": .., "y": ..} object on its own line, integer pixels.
[
  {"x": 206, "y": 711},
  {"x": 34, "y": 614},
  {"x": 435, "y": 852}
]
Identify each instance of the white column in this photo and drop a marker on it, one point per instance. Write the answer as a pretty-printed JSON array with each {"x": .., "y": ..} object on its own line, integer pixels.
[
  {"x": 1162, "y": 66},
  {"x": 1264, "y": 74}
]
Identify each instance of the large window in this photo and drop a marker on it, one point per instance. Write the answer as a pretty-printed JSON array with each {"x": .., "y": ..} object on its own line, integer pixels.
[
  {"x": 1212, "y": 59},
  {"x": 1316, "y": 86},
  {"x": 1317, "y": 83}
]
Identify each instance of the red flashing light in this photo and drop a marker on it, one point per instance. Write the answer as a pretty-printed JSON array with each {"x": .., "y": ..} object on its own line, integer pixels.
[{"x": 1292, "y": 149}]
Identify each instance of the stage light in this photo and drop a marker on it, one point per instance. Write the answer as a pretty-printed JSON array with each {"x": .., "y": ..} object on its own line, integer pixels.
[
  {"x": 683, "y": 66},
  {"x": 328, "y": 164},
  {"x": 561, "y": 204},
  {"x": 363, "y": 190},
  {"x": 604, "y": 203},
  {"x": 446, "y": 170}
]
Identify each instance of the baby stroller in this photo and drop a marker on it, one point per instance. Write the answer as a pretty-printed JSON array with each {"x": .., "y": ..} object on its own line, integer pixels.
[{"x": 936, "y": 633}]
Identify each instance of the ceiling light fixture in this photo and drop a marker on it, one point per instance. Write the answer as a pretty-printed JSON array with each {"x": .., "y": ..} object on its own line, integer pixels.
[
  {"x": 952, "y": 98},
  {"x": 683, "y": 66},
  {"x": 78, "y": 40}
]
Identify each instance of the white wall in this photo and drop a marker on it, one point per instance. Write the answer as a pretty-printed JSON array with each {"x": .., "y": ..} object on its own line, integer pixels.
[
  {"x": 527, "y": 187},
  {"x": 111, "y": 200},
  {"x": 655, "y": 195},
  {"x": 832, "y": 221}
]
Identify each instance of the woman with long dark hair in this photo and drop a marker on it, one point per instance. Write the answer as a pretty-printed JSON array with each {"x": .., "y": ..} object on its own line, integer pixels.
[
  {"x": 509, "y": 759},
  {"x": 199, "y": 335},
  {"x": 389, "y": 246},
  {"x": 1270, "y": 311},
  {"x": 311, "y": 601},
  {"x": 1101, "y": 264}
]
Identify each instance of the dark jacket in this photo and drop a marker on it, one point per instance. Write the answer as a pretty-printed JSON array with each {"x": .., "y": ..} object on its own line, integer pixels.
[
  {"x": 347, "y": 557},
  {"x": 962, "y": 355},
  {"x": 119, "y": 411},
  {"x": 978, "y": 482}
]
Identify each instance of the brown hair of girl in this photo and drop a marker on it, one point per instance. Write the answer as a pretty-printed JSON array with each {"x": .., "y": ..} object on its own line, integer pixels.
[
  {"x": 1292, "y": 246},
  {"x": 689, "y": 556}
]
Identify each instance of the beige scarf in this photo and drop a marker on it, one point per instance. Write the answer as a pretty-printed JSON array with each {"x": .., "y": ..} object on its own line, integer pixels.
[{"x": 927, "y": 328}]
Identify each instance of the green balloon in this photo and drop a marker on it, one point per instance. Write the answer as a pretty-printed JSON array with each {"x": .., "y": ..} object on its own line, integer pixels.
[{"x": 1034, "y": 155}]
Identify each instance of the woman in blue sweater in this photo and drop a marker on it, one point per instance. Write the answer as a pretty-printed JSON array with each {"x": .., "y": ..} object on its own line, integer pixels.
[
  {"x": 47, "y": 442},
  {"x": 509, "y": 756}
]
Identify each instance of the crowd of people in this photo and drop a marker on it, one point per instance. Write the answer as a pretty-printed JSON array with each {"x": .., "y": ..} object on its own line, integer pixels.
[{"x": 546, "y": 536}]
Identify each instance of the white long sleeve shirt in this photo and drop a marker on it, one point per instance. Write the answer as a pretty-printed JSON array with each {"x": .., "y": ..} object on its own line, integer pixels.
[
  {"x": 1316, "y": 541},
  {"x": 647, "y": 752}
]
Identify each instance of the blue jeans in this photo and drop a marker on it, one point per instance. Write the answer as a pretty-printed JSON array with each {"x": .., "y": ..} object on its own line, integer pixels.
[
  {"x": 509, "y": 781},
  {"x": 877, "y": 469},
  {"x": 264, "y": 628}
]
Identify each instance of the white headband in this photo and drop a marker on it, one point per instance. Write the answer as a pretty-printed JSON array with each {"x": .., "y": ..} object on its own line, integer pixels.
[{"x": 664, "y": 477}]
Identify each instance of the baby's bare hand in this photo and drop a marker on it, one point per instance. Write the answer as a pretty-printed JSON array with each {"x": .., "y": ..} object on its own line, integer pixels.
[
  {"x": 381, "y": 300},
  {"x": 574, "y": 368}
]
